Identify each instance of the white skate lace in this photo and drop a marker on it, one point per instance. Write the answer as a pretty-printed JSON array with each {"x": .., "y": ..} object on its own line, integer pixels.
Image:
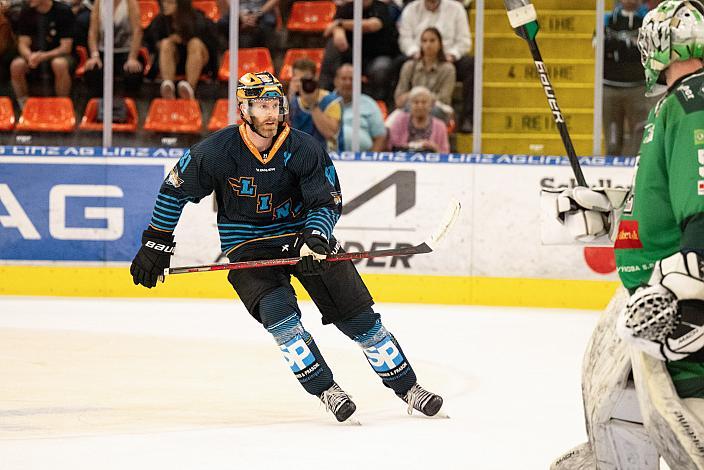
[
  {"x": 417, "y": 397},
  {"x": 333, "y": 398}
]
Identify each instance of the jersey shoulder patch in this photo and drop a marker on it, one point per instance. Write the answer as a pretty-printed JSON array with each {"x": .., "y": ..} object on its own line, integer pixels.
[{"x": 690, "y": 93}]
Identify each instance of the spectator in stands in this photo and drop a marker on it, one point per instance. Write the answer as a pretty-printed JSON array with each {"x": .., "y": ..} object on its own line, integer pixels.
[
  {"x": 450, "y": 18},
  {"x": 311, "y": 108},
  {"x": 127, "y": 41},
  {"x": 186, "y": 43},
  {"x": 8, "y": 45},
  {"x": 418, "y": 129},
  {"x": 625, "y": 111},
  {"x": 257, "y": 22},
  {"x": 372, "y": 133},
  {"x": 81, "y": 11},
  {"x": 431, "y": 70},
  {"x": 45, "y": 42},
  {"x": 379, "y": 46}
]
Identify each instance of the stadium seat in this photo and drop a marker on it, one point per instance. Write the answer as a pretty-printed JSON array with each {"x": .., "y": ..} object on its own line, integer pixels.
[
  {"x": 7, "y": 114},
  {"x": 218, "y": 119},
  {"x": 148, "y": 9},
  {"x": 147, "y": 59},
  {"x": 248, "y": 60},
  {"x": 208, "y": 7},
  {"x": 382, "y": 107},
  {"x": 90, "y": 118},
  {"x": 310, "y": 17},
  {"x": 174, "y": 116},
  {"x": 82, "y": 54},
  {"x": 47, "y": 115},
  {"x": 292, "y": 55}
]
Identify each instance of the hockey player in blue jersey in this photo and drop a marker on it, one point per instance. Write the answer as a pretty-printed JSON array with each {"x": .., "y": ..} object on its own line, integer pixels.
[{"x": 278, "y": 195}]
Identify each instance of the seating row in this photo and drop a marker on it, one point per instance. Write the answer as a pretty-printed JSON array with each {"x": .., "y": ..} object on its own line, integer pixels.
[
  {"x": 305, "y": 16},
  {"x": 248, "y": 59},
  {"x": 164, "y": 116}
]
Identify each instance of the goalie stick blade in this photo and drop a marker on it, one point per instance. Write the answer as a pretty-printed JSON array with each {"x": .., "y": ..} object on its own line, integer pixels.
[{"x": 448, "y": 220}]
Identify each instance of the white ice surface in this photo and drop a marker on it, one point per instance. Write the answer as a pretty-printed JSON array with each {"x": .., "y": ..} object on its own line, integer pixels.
[{"x": 510, "y": 379}]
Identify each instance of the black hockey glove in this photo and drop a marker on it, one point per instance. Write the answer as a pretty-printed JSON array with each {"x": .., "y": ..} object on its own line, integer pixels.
[
  {"x": 152, "y": 258},
  {"x": 313, "y": 249}
]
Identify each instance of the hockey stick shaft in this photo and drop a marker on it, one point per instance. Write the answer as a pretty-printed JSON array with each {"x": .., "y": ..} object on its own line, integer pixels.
[
  {"x": 264, "y": 263},
  {"x": 448, "y": 220},
  {"x": 523, "y": 19}
]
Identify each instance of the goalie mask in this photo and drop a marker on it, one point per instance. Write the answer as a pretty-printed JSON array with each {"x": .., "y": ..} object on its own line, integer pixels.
[
  {"x": 673, "y": 31},
  {"x": 257, "y": 94}
]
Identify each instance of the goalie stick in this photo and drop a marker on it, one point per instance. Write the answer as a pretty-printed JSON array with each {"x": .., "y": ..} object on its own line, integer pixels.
[
  {"x": 524, "y": 21},
  {"x": 427, "y": 246}
]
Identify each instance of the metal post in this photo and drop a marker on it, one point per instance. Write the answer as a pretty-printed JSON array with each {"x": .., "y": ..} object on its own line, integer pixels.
[
  {"x": 108, "y": 67},
  {"x": 478, "y": 77},
  {"x": 598, "y": 78},
  {"x": 357, "y": 73},
  {"x": 234, "y": 43}
]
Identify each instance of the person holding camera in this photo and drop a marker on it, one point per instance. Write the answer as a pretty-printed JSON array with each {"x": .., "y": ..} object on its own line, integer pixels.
[{"x": 312, "y": 109}]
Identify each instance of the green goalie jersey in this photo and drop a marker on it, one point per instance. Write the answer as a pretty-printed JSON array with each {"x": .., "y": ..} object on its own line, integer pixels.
[{"x": 665, "y": 210}]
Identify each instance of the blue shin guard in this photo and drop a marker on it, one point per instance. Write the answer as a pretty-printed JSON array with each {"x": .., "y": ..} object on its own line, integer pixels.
[
  {"x": 382, "y": 350},
  {"x": 282, "y": 318}
]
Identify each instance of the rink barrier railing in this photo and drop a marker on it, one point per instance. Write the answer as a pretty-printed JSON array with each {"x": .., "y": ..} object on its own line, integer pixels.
[
  {"x": 379, "y": 157},
  {"x": 96, "y": 274}
]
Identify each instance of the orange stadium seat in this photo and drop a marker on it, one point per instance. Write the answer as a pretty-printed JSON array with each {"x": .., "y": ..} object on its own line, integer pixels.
[
  {"x": 382, "y": 107},
  {"x": 147, "y": 59},
  {"x": 82, "y": 54},
  {"x": 208, "y": 7},
  {"x": 7, "y": 114},
  {"x": 218, "y": 119},
  {"x": 148, "y": 9},
  {"x": 47, "y": 115},
  {"x": 310, "y": 17},
  {"x": 169, "y": 116},
  {"x": 248, "y": 60},
  {"x": 90, "y": 118},
  {"x": 292, "y": 55}
]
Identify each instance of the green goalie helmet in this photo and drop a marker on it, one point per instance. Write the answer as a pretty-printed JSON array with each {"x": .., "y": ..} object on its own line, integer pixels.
[{"x": 673, "y": 31}]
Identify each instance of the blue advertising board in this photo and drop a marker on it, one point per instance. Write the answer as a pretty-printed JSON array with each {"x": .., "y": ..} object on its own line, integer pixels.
[{"x": 75, "y": 211}]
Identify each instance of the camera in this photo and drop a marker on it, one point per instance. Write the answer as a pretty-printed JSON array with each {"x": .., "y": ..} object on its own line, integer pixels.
[{"x": 309, "y": 85}]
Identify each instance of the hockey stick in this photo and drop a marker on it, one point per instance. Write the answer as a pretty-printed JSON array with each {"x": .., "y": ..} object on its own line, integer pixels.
[
  {"x": 427, "y": 246},
  {"x": 524, "y": 21}
]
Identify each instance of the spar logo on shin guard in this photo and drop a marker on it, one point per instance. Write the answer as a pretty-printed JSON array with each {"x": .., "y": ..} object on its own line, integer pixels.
[
  {"x": 384, "y": 356},
  {"x": 297, "y": 354}
]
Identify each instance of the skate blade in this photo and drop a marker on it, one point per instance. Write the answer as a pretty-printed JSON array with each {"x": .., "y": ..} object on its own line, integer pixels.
[
  {"x": 351, "y": 421},
  {"x": 439, "y": 415}
]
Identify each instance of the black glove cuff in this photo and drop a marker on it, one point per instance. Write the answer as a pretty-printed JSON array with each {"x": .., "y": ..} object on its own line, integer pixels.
[
  {"x": 160, "y": 242},
  {"x": 308, "y": 234},
  {"x": 150, "y": 233}
]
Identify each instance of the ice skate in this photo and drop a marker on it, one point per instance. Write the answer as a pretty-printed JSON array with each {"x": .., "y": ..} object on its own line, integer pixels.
[
  {"x": 338, "y": 402},
  {"x": 422, "y": 400}
]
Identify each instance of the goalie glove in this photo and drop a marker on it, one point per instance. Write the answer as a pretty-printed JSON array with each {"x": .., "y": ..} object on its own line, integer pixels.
[
  {"x": 587, "y": 213},
  {"x": 666, "y": 319}
]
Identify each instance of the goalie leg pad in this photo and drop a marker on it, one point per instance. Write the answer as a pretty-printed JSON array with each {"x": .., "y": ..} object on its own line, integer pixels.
[
  {"x": 282, "y": 318},
  {"x": 381, "y": 349}
]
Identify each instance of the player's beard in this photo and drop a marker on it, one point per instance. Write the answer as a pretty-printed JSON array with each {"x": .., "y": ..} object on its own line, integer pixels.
[{"x": 267, "y": 127}]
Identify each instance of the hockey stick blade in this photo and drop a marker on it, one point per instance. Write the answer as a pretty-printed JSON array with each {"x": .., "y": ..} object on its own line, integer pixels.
[{"x": 448, "y": 220}]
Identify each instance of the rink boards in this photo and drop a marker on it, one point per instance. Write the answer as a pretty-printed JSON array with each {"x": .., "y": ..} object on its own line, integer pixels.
[{"x": 71, "y": 219}]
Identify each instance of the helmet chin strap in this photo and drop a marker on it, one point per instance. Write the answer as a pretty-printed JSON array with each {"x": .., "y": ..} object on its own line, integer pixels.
[{"x": 253, "y": 127}]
